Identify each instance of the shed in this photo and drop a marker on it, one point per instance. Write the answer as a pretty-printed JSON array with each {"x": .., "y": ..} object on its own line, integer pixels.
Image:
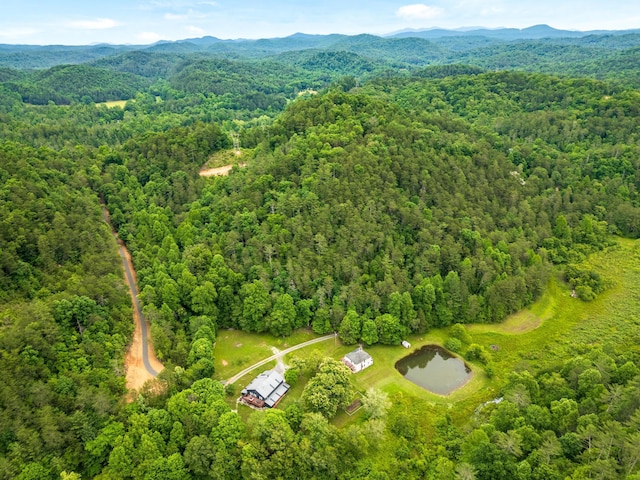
[{"x": 406, "y": 344}]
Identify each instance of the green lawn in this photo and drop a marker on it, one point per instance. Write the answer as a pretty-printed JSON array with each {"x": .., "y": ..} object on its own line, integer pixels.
[
  {"x": 547, "y": 329},
  {"x": 236, "y": 350},
  {"x": 115, "y": 103}
]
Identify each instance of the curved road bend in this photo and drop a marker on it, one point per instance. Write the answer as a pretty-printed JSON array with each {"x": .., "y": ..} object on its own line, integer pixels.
[
  {"x": 241, "y": 374},
  {"x": 134, "y": 295}
]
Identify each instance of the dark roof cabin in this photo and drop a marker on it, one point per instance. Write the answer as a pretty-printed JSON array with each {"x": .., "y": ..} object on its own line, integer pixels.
[{"x": 266, "y": 390}]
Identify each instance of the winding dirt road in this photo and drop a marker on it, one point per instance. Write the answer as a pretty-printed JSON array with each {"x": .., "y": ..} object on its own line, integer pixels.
[
  {"x": 282, "y": 353},
  {"x": 141, "y": 363}
]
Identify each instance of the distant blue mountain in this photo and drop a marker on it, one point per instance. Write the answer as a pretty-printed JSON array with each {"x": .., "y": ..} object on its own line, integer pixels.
[
  {"x": 422, "y": 47},
  {"x": 535, "y": 32},
  {"x": 202, "y": 41}
]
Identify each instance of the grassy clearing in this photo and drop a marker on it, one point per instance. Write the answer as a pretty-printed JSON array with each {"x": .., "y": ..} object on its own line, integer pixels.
[
  {"x": 615, "y": 317},
  {"x": 115, "y": 103},
  {"x": 324, "y": 349},
  {"x": 525, "y": 320},
  {"x": 237, "y": 350},
  {"x": 551, "y": 328},
  {"x": 569, "y": 322},
  {"x": 227, "y": 157}
]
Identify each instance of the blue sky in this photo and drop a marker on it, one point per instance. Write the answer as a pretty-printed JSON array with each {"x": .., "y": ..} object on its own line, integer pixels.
[{"x": 81, "y": 22}]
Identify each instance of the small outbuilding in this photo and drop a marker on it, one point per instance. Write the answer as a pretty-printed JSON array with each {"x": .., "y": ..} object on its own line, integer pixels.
[
  {"x": 266, "y": 390},
  {"x": 357, "y": 360},
  {"x": 406, "y": 344}
]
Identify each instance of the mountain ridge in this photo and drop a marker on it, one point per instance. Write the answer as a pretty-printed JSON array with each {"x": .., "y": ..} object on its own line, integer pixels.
[
  {"x": 534, "y": 32},
  {"x": 508, "y": 33}
]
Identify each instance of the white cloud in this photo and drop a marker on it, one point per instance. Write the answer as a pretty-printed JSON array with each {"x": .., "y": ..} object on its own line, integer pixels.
[
  {"x": 149, "y": 37},
  {"x": 15, "y": 33},
  {"x": 419, "y": 11},
  {"x": 176, "y": 4},
  {"x": 159, "y": 4},
  {"x": 97, "y": 24},
  {"x": 195, "y": 30},
  {"x": 174, "y": 16},
  {"x": 183, "y": 16}
]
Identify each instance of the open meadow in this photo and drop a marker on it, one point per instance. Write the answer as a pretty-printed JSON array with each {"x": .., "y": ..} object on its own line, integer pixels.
[{"x": 115, "y": 103}]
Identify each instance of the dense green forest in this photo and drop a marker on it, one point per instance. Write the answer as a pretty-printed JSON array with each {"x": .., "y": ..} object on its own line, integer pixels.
[
  {"x": 66, "y": 316},
  {"x": 393, "y": 187}
]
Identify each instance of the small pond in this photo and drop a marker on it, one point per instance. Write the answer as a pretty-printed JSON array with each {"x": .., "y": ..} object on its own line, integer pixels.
[{"x": 434, "y": 368}]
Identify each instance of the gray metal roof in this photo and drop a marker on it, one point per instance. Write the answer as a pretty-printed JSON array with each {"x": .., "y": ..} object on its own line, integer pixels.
[
  {"x": 277, "y": 394},
  {"x": 358, "y": 356},
  {"x": 267, "y": 385}
]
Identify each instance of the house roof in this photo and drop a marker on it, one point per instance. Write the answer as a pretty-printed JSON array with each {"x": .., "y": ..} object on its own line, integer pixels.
[
  {"x": 358, "y": 356},
  {"x": 269, "y": 386},
  {"x": 277, "y": 394}
]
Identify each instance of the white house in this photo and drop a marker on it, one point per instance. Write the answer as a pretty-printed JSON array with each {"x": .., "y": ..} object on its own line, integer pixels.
[{"x": 357, "y": 360}]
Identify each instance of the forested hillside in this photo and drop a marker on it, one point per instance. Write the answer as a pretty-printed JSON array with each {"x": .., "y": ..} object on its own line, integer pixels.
[
  {"x": 78, "y": 83},
  {"x": 66, "y": 317},
  {"x": 387, "y": 192},
  {"x": 604, "y": 55},
  {"x": 404, "y": 199}
]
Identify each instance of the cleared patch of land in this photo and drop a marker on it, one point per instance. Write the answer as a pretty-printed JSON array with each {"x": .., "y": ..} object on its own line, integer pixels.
[
  {"x": 115, "y": 103},
  {"x": 219, "y": 171},
  {"x": 523, "y": 321},
  {"x": 221, "y": 163},
  {"x": 237, "y": 350},
  {"x": 277, "y": 357}
]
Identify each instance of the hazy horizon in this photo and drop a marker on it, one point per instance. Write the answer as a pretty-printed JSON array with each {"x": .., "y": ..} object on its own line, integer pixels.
[{"x": 69, "y": 22}]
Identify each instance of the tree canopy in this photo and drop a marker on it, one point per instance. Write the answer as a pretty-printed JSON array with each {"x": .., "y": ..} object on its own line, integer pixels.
[{"x": 389, "y": 189}]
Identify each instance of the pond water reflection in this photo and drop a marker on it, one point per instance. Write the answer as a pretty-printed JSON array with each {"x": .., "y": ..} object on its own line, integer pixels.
[{"x": 434, "y": 368}]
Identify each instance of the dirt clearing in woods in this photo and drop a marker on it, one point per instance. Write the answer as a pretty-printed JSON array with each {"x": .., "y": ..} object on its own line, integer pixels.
[
  {"x": 219, "y": 171},
  {"x": 222, "y": 161}
]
